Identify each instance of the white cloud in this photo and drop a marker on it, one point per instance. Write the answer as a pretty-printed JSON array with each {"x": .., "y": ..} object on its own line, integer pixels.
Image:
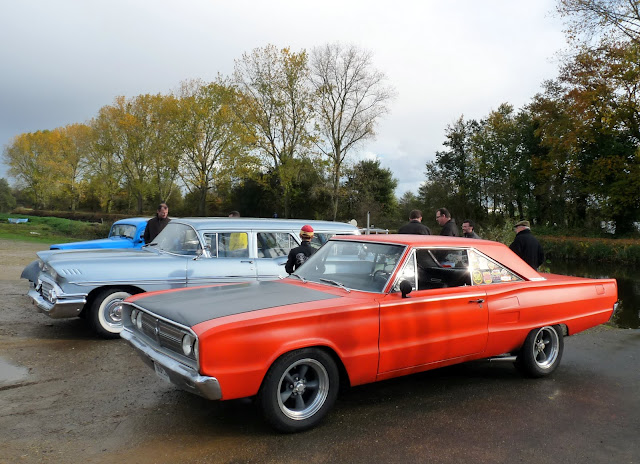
[{"x": 65, "y": 59}]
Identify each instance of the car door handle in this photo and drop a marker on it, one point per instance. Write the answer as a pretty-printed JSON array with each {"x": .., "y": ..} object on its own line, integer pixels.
[
  {"x": 247, "y": 261},
  {"x": 479, "y": 300}
]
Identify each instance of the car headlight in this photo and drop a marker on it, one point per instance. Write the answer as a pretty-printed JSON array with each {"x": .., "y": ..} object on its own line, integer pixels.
[
  {"x": 134, "y": 314},
  {"x": 188, "y": 342},
  {"x": 139, "y": 320}
]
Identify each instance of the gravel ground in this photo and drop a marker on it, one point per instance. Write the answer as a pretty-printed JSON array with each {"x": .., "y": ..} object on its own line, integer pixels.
[{"x": 67, "y": 397}]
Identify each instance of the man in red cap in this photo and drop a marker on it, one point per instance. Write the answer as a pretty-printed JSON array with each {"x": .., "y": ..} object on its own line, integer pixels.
[{"x": 299, "y": 254}]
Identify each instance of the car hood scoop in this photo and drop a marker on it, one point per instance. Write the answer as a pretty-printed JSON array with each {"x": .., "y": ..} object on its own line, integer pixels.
[{"x": 191, "y": 306}]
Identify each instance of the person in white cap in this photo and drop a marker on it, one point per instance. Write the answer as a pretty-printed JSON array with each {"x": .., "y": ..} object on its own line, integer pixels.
[
  {"x": 299, "y": 254},
  {"x": 526, "y": 245}
]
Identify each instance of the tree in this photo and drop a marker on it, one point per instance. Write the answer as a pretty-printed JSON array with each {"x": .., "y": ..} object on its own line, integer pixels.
[
  {"x": 31, "y": 160},
  {"x": 351, "y": 96},
  {"x": 592, "y": 18},
  {"x": 274, "y": 104},
  {"x": 135, "y": 136},
  {"x": 7, "y": 200},
  {"x": 456, "y": 172},
  {"x": 370, "y": 189},
  {"x": 74, "y": 146},
  {"x": 208, "y": 135}
]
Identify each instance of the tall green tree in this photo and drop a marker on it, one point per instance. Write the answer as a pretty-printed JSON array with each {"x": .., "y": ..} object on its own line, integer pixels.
[
  {"x": 351, "y": 96},
  {"x": 7, "y": 200},
  {"x": 369, "y": 188},
  {"x": 208, "y": 134},
  {"x": 274, "y": 103}
]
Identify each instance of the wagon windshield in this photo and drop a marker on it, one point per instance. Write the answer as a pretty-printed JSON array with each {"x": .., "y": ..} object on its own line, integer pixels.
[
  {"x": 355, "y": 265},
  {"x": 179, "y": 239}
]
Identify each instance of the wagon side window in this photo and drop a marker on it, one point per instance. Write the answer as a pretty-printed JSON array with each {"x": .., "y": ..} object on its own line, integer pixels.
[
  {"x": 320, "y": 238},
  {"x": 227, "y": 244},
  {"x": 486, "y": 271},
  {"x": 275, "y": 244}
]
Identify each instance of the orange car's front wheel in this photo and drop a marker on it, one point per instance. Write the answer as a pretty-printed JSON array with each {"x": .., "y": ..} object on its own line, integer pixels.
[{"x": 299, "y": 389}]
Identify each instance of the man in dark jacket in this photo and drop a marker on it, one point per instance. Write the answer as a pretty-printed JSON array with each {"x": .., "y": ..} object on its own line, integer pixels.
[
  {"x": 448, "y": 224},
  {"x": 299, "y": 254},
  {"x": 157, "y": 223},
  {"x": 415, "y": 225},
  {"x": 527, "y": 246}
]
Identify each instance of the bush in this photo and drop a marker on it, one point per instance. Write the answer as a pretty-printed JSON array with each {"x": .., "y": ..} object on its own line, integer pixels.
[{"x": 625, "y": 251}]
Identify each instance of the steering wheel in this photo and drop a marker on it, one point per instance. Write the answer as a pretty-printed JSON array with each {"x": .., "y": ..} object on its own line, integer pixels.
[{"x": 380, "y": 276}]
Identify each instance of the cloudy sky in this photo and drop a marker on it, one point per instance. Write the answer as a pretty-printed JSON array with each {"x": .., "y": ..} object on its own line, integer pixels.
[{"x": 62, "y": 60}]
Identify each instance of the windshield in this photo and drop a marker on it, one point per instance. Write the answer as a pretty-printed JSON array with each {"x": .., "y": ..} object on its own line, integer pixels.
[
  {"x": 178, "y": 239},
  {"x": 355, "y": 265},
  {"x": 123, "y": 230}
]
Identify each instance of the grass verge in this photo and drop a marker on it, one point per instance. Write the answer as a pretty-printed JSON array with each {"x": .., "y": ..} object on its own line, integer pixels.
[{"x": 50, "y": 229}]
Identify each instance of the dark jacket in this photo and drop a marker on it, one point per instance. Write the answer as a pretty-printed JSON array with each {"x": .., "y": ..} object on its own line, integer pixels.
[
  {"x": 414, "y": 227},
  {"x": 450, "y": 228},
  {"x": 471, "y": 235},
  {"x": 298, "y": 255},
  {"x": 528, "y": 248},
  {"x": 154, "y": 227}
]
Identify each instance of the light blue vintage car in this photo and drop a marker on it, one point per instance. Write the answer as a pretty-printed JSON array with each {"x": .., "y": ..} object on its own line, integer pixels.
[
  {"x": 125, "y": 233},
  {"x": 188, "y": 252}
]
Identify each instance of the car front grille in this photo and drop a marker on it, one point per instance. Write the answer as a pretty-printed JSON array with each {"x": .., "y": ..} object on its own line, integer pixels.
[
  {"x": 166, "y": 335},
  {"x": 161, "y": 334},
  {"x": 46, "y": 291}
]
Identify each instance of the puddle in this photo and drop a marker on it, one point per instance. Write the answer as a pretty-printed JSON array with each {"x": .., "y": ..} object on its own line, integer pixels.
[{"x": 10, "y": 374}]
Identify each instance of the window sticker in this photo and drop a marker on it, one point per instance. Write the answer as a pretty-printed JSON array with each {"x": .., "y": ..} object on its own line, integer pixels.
[{"x": 485, "y": 271}]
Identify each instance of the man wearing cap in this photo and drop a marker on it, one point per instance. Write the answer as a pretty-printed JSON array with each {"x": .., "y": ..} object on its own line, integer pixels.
[
  {"x": 526, "y": 245},
  {"x": 299, "y": 254}
]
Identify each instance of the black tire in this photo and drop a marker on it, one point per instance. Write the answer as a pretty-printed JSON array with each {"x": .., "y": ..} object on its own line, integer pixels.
[
  {"x": 299, "y": 390},
  {"x": 541, "y": 353},
  {"x": 105, "y": 314}
]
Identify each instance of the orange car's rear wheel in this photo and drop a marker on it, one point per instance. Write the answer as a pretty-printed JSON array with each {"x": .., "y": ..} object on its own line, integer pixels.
[
  {"x": 299, "y": 389},
  {"x": 542, "y": 351}
]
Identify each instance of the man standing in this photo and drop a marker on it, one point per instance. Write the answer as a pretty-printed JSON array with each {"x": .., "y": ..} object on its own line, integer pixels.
[
  {"x": 415, "y": 225},
  {"x": 299, "y": 254},
  {"x": 527, "y": 246},
  {"x": 157, "y": 223},
  {"x": 448, "y": 224},
  {"x": 467, "y": 229}
]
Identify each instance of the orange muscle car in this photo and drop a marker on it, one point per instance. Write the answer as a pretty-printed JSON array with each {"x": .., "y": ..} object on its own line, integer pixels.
[{"x": 361, "y": 309}]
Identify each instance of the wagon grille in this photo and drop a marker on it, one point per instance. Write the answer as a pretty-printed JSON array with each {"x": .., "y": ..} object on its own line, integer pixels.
[{"x": 46, "y": 291}]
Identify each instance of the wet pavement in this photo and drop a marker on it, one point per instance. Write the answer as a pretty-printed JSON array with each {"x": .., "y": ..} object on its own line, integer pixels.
[{"x": 67, "y": 397}]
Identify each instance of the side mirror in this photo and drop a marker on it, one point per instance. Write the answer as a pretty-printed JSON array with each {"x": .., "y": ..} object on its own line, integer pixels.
[{"x": 405, "y": 288}]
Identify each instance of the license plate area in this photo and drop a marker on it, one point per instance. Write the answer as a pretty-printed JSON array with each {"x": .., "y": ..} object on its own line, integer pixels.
[{"x": 160, "y": 372}]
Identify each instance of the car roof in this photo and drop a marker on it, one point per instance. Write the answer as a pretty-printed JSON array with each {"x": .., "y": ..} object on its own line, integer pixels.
[
  {"x": 134, "y": 220},
  {"x": 266, "y": 223},
  {"x": 494, "y": 250}
]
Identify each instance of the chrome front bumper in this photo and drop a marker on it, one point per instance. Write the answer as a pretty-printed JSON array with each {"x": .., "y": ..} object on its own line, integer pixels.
[
  {"x": 177, "y": 373},
  {"x": 64, "y": 306}
]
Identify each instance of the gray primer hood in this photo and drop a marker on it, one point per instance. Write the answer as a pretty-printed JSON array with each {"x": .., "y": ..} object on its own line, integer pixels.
[{"x": 191, "y": 306}]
